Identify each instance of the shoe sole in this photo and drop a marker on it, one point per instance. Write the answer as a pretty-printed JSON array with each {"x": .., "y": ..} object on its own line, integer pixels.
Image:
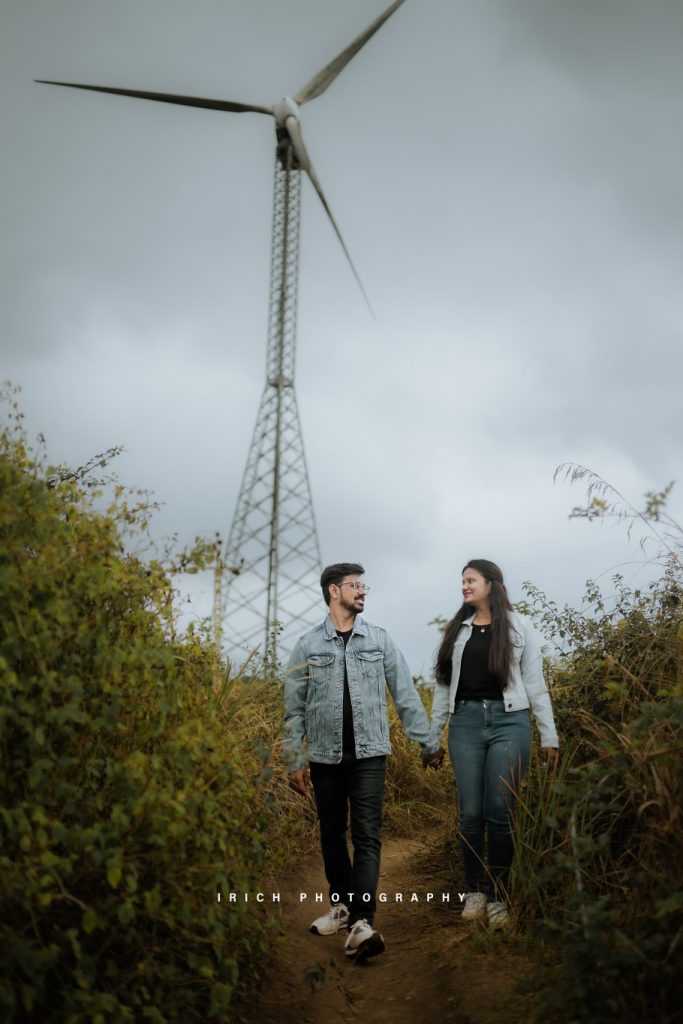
[
  {"x": 478, "y": 915},
  {"x": 372, "y": 946},
  {"x": 496, "y": 925},
  {"x": 315, "y": 931}
]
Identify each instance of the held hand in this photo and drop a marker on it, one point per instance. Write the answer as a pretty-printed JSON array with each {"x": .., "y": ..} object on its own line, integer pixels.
[
  {"x": 298, "y": 782},
  {"x": 434, "y": 760},
  {"x": 549, "y": 758}
]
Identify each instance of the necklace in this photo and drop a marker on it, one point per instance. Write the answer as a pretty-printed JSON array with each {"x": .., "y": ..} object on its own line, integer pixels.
[{"x": 482, "y": 627}]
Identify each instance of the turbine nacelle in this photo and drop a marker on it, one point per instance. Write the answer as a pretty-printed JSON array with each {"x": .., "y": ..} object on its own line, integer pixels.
[
  {"x": 291, "y": 151},
  {"x": 285, "y": 108}
]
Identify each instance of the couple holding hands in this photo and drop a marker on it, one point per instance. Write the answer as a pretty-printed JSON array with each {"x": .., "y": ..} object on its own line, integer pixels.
[{"x": 489, "y": 673}]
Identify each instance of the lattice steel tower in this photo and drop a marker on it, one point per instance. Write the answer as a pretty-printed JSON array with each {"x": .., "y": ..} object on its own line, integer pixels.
[
  {"x": 267, "y": 579},
  {"x": 273, "y": 538}
]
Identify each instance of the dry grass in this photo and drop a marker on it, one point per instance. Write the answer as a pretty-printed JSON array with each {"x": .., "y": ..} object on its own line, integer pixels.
[{"x": 598, "y": 867}]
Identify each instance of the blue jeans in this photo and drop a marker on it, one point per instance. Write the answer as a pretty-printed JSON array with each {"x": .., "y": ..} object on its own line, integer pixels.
[
  {"x": 489, "y": 750},
  {"x": 356, "y": 784}
]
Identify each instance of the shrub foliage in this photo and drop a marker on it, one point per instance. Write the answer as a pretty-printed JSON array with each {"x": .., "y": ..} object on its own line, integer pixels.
[
  {"x": 599, "y": 869},
  {"x": 127, "y": 801}
]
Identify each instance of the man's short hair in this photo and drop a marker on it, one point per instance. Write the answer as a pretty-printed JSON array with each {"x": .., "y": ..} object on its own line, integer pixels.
[{"x": 336, "y": 573}]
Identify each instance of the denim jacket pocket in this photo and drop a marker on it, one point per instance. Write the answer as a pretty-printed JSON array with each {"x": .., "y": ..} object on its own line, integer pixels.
[
  {"x": 370, "y": 661},
  {"x": 517, "y": 645},
  {"x": 318, "y": 705},
  {"x": 371, "y": 664},
  {"x": 320, "y": 667}
]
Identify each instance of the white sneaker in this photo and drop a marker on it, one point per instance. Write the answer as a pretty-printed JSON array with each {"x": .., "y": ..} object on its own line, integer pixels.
[
  {"x": 497, "y": 914},
  {"x": 475, "y": 906},
  {"x": 335, "y": 918},
  {"x": 363, "y": 941}
]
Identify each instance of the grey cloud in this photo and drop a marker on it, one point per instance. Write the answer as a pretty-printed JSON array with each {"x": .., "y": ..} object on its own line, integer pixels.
[{"x": 507, "y": 179}]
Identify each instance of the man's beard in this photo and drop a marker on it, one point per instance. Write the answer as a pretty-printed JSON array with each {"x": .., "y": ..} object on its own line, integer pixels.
[{"x": 350, "y": 606}]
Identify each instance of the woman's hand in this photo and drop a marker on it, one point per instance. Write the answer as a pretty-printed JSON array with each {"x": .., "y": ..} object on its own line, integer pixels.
[
  {"x": 549, "y": 758},
  {"x": 434, "y": 760}
]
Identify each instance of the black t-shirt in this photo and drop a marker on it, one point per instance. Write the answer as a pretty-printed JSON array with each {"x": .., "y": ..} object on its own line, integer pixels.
[
  {"x": 476, "y": 682},
  {"x": 348, "y": 738}
]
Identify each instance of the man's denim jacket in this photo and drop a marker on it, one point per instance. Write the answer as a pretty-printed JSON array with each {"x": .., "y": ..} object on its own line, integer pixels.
[
  {"x": 526, "y": 685},
  {"x": 314, "y": 695}
]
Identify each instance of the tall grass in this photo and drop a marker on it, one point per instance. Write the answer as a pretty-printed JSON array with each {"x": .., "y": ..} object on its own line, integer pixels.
[
  {"x": 415, "y": 798},
  {"x": 251, "y": 709},
  {"x": 598, "y": 876}
]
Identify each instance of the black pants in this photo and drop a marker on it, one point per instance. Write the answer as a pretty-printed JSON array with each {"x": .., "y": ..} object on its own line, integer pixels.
[{"x": 356, "y": 784}]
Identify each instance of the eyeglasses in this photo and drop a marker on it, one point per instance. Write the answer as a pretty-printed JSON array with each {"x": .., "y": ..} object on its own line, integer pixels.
[{"x": 356, "y": 585}]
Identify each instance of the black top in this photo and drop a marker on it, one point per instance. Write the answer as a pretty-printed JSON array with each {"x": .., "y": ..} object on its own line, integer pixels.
[
  {"x": 348, "y": 738},
  {"x": 476, "y": 682}
]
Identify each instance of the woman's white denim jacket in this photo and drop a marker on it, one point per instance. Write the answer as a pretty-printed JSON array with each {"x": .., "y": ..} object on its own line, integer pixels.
[
  {"x": 314, "y": 695},
  {"x": 526, "y": 685}
]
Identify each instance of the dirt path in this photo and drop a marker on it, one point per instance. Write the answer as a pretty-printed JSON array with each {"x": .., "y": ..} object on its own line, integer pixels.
[{"x": 435, "y": 968}]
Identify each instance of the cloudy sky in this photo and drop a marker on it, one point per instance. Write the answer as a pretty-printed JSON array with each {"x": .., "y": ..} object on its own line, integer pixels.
[{"x": 507, "y": 176}]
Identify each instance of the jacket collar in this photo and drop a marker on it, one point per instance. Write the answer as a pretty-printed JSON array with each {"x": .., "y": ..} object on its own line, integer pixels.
[{"x": 330, "y": 630}]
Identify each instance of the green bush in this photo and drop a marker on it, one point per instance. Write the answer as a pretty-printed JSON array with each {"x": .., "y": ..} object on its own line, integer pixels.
[
  {"x": 127, "y": 804},
  {"x": 598, "y": 874},
  {"x": 610, "y": 887}
]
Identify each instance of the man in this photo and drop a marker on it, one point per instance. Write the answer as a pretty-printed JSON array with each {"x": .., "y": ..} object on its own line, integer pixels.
[{"x": 335, "y": 697}]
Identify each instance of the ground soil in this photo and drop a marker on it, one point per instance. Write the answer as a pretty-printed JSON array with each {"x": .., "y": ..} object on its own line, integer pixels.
[{"x": 435, "y": 967}]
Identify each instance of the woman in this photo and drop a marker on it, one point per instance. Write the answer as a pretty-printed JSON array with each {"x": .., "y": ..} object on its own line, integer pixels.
[{"x": 489, "y": 671}]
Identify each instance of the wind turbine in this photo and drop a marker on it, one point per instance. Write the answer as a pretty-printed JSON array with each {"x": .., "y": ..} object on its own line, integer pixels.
[{"x": 272, "y": 552}]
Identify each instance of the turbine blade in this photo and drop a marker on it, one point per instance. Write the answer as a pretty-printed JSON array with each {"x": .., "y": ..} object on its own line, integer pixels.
[
  {"x": 294, "y": 129},
  {"x": 320, "y": 82},
  {"x": 168, "y": 97},
  {"x": 310, "y": 171}
]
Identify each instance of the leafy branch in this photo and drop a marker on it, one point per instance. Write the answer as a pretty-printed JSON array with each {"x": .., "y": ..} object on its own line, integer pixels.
[{"x": 604, "y": 500}]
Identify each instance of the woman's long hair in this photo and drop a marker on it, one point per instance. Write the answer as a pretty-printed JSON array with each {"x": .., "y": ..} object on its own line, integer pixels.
[{"x": 499, "y": 602}]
